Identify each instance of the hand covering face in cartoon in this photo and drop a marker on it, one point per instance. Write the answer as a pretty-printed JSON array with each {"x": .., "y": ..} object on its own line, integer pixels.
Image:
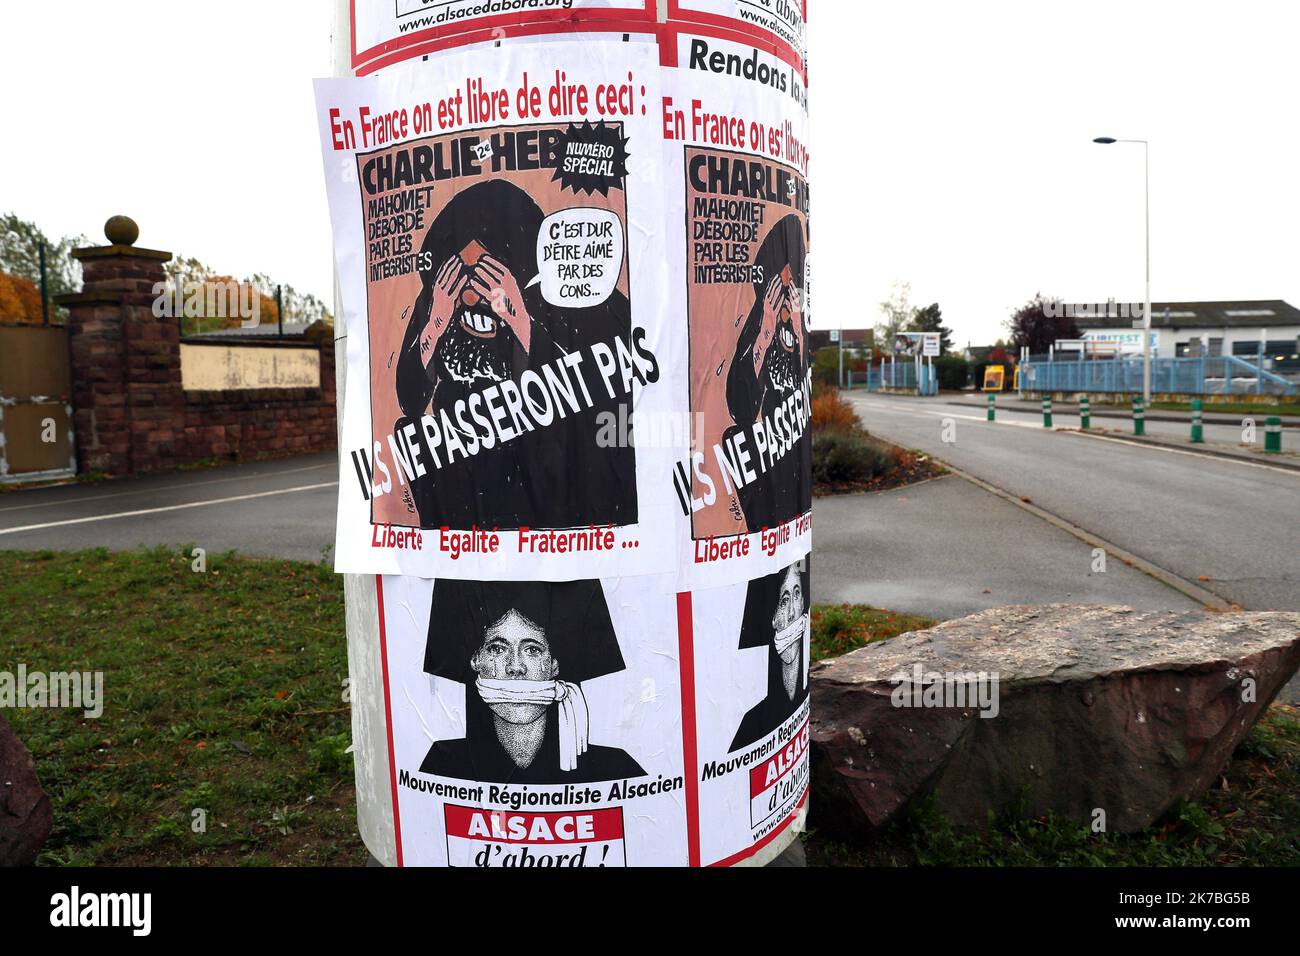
[
  {"x": 480, "y": 323},
  {"x": 769, "y": 367}
]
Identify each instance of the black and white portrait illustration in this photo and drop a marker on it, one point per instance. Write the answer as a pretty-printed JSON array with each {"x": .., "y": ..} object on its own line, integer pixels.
[
  {"x": 524, "y": 650},
  {"x": 776, "y": 618}
]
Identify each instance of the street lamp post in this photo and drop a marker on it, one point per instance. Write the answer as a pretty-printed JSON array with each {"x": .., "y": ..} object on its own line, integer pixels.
[{"x": 1146, "y": 308}]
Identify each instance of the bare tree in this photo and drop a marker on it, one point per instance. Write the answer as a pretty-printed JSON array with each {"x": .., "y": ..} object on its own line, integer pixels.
[{"x": 897, "y": 314}]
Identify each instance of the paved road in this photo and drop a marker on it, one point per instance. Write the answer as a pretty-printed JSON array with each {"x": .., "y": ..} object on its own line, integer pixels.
[
  {"x": 1233, "y": 523},
  {"x": 943, "y": 548},
  {"x": 270, "y": 509},
  {"x": 1230, "y": 525}
]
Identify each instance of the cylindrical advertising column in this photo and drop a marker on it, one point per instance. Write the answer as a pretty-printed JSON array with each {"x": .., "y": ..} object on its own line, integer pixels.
[{"x": 572, "y": 249}]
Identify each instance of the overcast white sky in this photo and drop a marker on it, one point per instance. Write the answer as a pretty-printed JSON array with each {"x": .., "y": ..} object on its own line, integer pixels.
[{"x": 951, "y": 144}]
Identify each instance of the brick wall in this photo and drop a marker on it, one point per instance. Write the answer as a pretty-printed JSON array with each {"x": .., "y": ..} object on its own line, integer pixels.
[
  {"x": 133, "y": 417},
  {"x": 251, "y": 423}
]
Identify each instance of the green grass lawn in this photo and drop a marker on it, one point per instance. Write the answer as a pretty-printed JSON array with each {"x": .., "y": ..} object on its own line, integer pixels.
[
  {"x": 223, "y": 692},
  {"x": 840, "y": 628}
]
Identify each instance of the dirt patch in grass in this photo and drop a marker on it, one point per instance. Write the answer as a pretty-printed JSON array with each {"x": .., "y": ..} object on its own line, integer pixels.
[{"x": 1255, "y": 409}]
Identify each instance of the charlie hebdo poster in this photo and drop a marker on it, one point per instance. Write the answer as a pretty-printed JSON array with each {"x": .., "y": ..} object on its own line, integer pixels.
[
  {"x": 499, "y": 248},
  {"x": 736, "y": 137}
]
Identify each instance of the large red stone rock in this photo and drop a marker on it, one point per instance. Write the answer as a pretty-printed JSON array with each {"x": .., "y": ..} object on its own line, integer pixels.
[
  {"x": 25, "y": 812},
  {"x": 1096, "y": 709}
]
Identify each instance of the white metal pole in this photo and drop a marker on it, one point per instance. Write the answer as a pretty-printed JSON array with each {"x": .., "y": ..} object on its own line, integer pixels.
[
  {"x": 1146, "y": 312},
  {"x": 361, "y": 601}
]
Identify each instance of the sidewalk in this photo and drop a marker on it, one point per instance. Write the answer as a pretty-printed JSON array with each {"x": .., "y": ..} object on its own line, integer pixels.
[{"x": 946, "y": 548}]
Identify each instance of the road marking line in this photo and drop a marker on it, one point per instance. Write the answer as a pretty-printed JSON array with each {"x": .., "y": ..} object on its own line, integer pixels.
[
  {"x": 984, "y": 421},
  {"x": 944, "y": 414},
  {"x": 154, "y": 511},
  {"x": 146, "y": 491}
]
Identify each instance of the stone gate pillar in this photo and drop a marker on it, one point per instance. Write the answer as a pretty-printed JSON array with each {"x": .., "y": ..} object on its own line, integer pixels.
[{"x": 126, "y": 371}]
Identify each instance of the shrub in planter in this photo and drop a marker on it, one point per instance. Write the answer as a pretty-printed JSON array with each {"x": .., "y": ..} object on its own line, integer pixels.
[
  {"x": 844, "y": 455},
  {"x": 831, "y": 411}
]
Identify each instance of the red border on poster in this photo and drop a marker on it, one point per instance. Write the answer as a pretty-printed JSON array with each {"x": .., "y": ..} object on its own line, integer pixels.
[
  {"x": 494, "y": 33},
  {"x": 688, "y": 20},
  {"x": 690, "y": 755},
  {"x": 633, "y": 13},
  {"x": 388, "y": 715},
  {"x": 604, "y": 20}
]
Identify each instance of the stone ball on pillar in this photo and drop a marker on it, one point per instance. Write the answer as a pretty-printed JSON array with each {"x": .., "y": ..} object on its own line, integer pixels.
[{"x": 121, "y": 231}]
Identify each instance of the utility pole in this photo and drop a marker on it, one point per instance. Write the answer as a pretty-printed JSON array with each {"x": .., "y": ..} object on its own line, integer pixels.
[
  {"x": 840, "y": 335},
  {"x": 45, "y": 292},
  {"x": 1146, "y": 311}
]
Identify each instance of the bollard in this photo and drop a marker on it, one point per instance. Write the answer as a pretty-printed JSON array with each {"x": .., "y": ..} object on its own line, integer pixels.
[
  {"x": 1198, "y": 429},
  {"x": 1139, "y": 417},
  {"x": 1047, "y": 413},
  {"x": 992, "y": 407},
  {"x": 1273, "y": 434},
  {"x": 1085, "y": 413}
]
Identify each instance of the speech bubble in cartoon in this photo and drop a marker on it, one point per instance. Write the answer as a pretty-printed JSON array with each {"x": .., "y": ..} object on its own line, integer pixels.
[{"x": 580, "y": 256}]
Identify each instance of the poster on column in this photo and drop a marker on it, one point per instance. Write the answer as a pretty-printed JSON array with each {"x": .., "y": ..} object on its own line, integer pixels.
[
  {"x": 785, "y": 21},
  {"x": 499, "y": 242},
  {"x": 735, "y": 119},
  {"x": 535, "y": 724},
  {"x": 390, "y": 30},
  {"x": 751, "y": 647}
]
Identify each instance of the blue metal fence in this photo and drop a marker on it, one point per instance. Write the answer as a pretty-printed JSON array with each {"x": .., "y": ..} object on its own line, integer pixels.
[
  {"x": 1218, "y": 375},
  {"x": 898, "y": 375}
]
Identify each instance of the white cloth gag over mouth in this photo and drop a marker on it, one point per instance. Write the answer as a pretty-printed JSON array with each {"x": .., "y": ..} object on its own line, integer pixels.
[
  {"x": 786, "y": 638},
  {"x": 575, "y": 720}
]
